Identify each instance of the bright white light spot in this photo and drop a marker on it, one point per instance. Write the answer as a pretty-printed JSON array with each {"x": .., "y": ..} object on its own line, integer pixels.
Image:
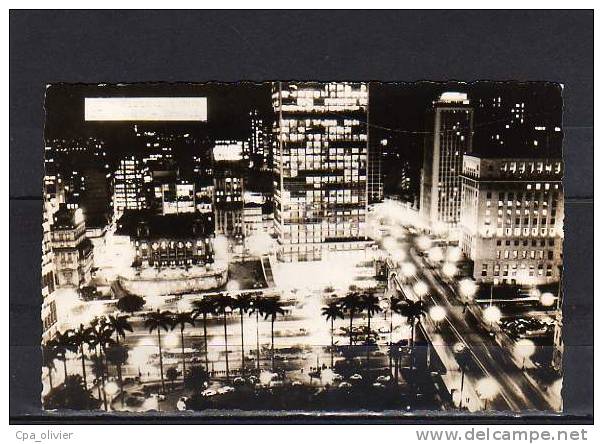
[
  {"x": 436, "y": 254},
  {"x": 524, "y": 348},
  {"x": 420, "y": 288},
  {"x": 111, "y": 388},
  {"x": 437, "y": 313},
  {"x": 449, "y": 269},
  {"x": 408, "y": 269},
  {"x": 547, "y": 299},
  {"x": 233, "y": 285},
  {"x": 487, "y": 388},
  {"x": 468, "y": 288},
  {"x": 453, "y": 254},
  {"x": 492, "y": 314},
  {"x": 423, "y": 242}
]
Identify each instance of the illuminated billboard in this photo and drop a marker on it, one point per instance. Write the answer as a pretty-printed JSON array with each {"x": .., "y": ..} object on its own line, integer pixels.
[{"x": 151, "y": 109}]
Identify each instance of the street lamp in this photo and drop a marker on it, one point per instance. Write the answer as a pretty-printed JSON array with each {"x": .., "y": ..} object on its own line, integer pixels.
[
  {"x": 461, "y": 352},
  {"x": 111, "y": 389},
  {"x": 437, "y": 314},
  {"x": 420, "y": 288},
  {"x": 436, "y": 254},
  {"x": 524, "y": 348},
  {"x": 453, "y": 254},
  {"x": 408, "y": 269},
  {"x": 423, "y": 242},
  {"x": 449, "y": 269},
  {"x": 487, "y": 389},
  {"x": 547, "y": 299},
  {"x": 492, "y": 314}
]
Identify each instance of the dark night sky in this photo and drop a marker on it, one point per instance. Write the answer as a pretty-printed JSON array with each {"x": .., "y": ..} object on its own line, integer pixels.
[{"x": 398, "y": 111}]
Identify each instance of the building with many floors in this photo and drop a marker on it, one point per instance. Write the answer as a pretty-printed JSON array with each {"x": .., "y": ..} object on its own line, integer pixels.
[
  {"x": 128, "y": 185},
  {"x": 72, "y": 250},
  {"x": 229, "y": 188},
  {"x": 512, "y": 219},
  {"x": 320, "y": 166},
  {"x": 450, "y": 137},
  {"x": 48, "y": 284}
]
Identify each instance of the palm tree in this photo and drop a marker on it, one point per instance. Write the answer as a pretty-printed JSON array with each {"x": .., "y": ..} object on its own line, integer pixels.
[
  {"x": 394, "y": 303},
  {"x": 79, "y": 338},
  {"x": 48, "y": 356},
  {"x": 180, "y": 319},
  {"x": 62, "y": 344},
  {"x": 413, "y": 311},
  {"x": 352, "y": 304},
  {"x": 370, "y": 304},
  {"x": 256, "y": 307},
  {"x": 117, "y": 355},
  {"x": 202, "y": 308},
  {"x": 332, "y": 312},
  {"x": 100, "y": 336},
  {"x": 242, "y": 303},
  {"x": 272, "y": 308},
  {"x": 159, "y": 320},
  {"x": 119, "y": 325},
  {"x": 98, "y": 370},
  {"x": 224, "y": 304}
]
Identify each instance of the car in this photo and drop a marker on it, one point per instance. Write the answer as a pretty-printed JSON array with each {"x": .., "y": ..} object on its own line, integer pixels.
[
  {"x": 238, "y": 381},
  {"x": 384, "y": 378},
  {"x": 337, "y": 377},
  {"x": 356, "y": 377},
  {"x": 208, "y": 393},
  {"x": 345, "y": 385},
  {"x": 252, "y": 380},
  {"x": 297, "y": 383},
  {"x": 226, "y": 389},
  {"x": 158, "y": 396},
  {"x": 378, "y": 385},
  {"x": 181, "y": 404}
]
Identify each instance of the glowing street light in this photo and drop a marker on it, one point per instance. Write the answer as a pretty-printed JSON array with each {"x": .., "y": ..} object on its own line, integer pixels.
[
  {"x": 423, "y": 242},
  {"x": 435, "y": 254},
  {"x": 492, "y": 314},
  {"x": 420, "y": 288},
  {"x": 449, "y": 269},
  {"x": 453, "y": 254},
  {"x": 547, "y": 299},
  {"x": 408, "y": 269},
  {"x": 524, "y": 348},
  {"x": 468, "y": 288},
  {"x": 437, "y": 313},
  {"x": 233, "y": 285},
  {"x": 399, "y": 256},
  {"x": 487, "y": 389}
]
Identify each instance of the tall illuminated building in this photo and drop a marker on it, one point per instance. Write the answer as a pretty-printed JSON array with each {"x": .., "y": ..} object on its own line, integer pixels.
[
  {"x": 450, "y": 137},
  {"x": 320, "y": 165},
  {"x": 128, "y": 185},
  {"x": 512, "y": 219},
  {"x": 228, "y": 159}
]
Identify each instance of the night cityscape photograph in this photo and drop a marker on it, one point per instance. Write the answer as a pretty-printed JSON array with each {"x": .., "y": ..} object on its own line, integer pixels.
[{"x": 297, "y": 246}]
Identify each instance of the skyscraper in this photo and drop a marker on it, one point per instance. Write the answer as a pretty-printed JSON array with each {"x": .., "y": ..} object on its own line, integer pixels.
[
  {"x": 512, "y": 219},
  {"x": 449, "y": 138},
  {"x": 320, "y": 163}
]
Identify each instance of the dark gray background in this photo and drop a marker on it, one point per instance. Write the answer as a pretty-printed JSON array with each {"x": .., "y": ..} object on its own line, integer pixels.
[{"x": 132, "y": 46}]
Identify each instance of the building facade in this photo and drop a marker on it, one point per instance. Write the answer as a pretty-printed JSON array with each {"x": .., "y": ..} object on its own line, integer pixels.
[
  {"x": 450, "y": 137},
  {"x": 175, "y": 240},
  {"x": 229, "y": 188},
  {"x": 320, "y": 163},
  {"x": 49, "y": 308},
  {"x": 72, "y": 250},
  {"x": 512, "y": 219},
  {"x": 128, "y": 185}
]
